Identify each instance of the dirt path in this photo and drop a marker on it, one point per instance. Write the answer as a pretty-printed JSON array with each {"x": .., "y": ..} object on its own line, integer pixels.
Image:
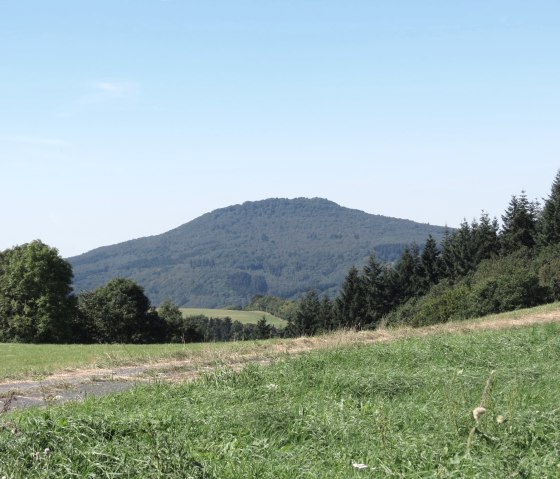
[{"x": 78, "y": 384}]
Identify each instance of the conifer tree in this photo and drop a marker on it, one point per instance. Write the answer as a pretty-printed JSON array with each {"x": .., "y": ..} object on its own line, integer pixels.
[
  {"x": 550, "y": 220},
  {"x": 327, "y": 321},
  {"x": 519, "y": 224},
  {"x": 374, "y": 291},
  {"x": 409, "y": 273},
  {"x": 350, "y": 304},
  {"x": 429, "y": 260},
  {"x": 308, "y": 316},
  {"x": 485, "y": 237}
]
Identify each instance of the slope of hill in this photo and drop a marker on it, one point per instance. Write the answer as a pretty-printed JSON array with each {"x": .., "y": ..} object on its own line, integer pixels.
[{"x": 282, "y": 247}]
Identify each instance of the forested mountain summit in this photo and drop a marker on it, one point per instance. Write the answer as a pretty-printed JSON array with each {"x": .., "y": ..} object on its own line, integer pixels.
[{"x": 282, "y": 247}]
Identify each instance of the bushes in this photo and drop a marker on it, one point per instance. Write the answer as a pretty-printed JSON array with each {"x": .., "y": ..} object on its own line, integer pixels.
[
  {"x": 504, "y": 284},
  {"x": 442, "y": 304},
  {"x": 499, "y": 285}
]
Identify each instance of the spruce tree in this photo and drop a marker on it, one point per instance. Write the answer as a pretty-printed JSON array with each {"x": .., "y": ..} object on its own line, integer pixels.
[
  {"x": 409, "y": 273},
  {"x": 519, "y": 224},
  {"x": 350, "y": 305},
  {"x": 485, "y": 237},
  {"x": 308, "y": 316},
  {"x": 429, "y": 260},
  {"x": 373, "y": 291},
  {"x": 327, "y": 320},
  {"x": 549, "y": 224}
]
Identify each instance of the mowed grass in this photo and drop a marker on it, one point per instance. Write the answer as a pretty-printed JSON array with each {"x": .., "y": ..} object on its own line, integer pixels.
[
  {"x": 403, "y": 409},
  {"x": 235, "y": 315}
]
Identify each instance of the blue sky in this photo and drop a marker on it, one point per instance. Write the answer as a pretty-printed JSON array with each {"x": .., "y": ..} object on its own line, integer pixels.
[{"x": 126, "y": 118}]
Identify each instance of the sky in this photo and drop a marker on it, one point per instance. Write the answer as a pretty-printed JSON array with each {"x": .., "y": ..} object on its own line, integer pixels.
[{"x": 126, "y": 118}]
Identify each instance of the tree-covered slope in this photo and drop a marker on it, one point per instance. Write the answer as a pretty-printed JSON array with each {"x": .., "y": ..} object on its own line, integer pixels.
[{"x": 277, "y": 246}]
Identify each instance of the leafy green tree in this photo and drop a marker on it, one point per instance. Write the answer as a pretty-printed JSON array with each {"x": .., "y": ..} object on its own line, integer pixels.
[
  {"x": 35, "y": 295},
  {"x": 171, "y": 316},
  {"x": 120, "y": 312},
  {"x": 549, "y": 224}
]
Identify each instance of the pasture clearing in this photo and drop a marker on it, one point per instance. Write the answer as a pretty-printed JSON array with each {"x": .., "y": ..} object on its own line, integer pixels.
[{"x": 245, "y": 317}]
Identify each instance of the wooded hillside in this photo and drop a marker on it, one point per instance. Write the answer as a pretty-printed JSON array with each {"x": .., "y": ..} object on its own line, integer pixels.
[{"x": 280, "y": 247}]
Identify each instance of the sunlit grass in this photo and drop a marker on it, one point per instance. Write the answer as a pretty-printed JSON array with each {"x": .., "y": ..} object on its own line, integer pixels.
[{"x": 399, "y": 409}]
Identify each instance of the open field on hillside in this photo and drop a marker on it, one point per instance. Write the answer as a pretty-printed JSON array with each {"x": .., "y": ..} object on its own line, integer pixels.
[
  {"x": 235, "y": 315},
  {"x": 402, "y": 407},
  {"x": 31, "y": 360},
  {"x": 28, "y": 361}
]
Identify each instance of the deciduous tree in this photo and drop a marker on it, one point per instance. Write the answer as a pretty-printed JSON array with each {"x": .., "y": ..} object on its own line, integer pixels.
[{"x": 36, "y": 304}]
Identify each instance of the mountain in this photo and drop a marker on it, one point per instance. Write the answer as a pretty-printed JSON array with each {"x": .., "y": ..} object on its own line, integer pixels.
[{"x": 282, "y": 247}]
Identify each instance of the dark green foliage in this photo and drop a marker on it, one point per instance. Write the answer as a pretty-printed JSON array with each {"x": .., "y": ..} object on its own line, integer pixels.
[
  {"x": 276, "y": 247},
  {"x": 119, "y": 312},
  {"x": 172, "y": 317},
  {"x": 410, "y": 273},
  {"x": 459, "y": 252},
  {"x": 308, "y": 318},
  {"x": 279, "y": 307},
  {"x": 480, "y": 269},
  {"x": 485, "y": 237},
  {"x": 35, "y": 295},
  {"x": 263, "y": 330},
  {"x": 375, "y": 291},
  {"x": 350, "y": 305},
  {"x": 505, "y": 284},
  {"x": 430, "y": 260},
  {"x": 519, "y": 224},
  {"x": 200, "y": 329},
  {"x": 550, "y": 219},
  {"x": 463, "y": 249},
  {"x": 547, "y": 265}
]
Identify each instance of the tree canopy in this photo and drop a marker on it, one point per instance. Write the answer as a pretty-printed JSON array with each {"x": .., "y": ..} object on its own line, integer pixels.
[{"x": 35, "y": 294}]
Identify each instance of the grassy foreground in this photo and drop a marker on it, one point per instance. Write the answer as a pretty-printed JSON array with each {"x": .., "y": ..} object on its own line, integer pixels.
[
  {"x": 403, "y": 409},
  {"x": 246, "y": 317}
]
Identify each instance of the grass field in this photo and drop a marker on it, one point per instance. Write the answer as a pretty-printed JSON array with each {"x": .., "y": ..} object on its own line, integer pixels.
[
  {"x": 29, "y": 360},
  {"x": 402, "y": 409},
  {"x": 235, "y": 315}
]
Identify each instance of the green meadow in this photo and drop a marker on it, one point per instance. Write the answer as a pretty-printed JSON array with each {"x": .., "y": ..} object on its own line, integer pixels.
[
  {"x": 235, "y": 315},
  {"x": 397, "y": 409}
]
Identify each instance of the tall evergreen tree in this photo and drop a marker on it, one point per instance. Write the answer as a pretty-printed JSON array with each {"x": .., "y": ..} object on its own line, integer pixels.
[
  {"x": 326, "y": 308},
  {"x": 350, "y": 305},
  {"x": 264, "y": 330},
  {"x": 549, "y": 224},
  {"x": 519, "y": 227},
  {"x": 374, "y": 291},
  {"x": 307, "y": 320},
  {"x": 429, "y": 261},
  {"x": 409, "y": 273},
  {"x": 485, "y": 237}
]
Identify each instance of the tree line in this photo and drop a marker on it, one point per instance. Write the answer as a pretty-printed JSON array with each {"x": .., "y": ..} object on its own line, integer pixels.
[
  {"x": 37, "y": 306},
  {"x": 478, "y": 269}
]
